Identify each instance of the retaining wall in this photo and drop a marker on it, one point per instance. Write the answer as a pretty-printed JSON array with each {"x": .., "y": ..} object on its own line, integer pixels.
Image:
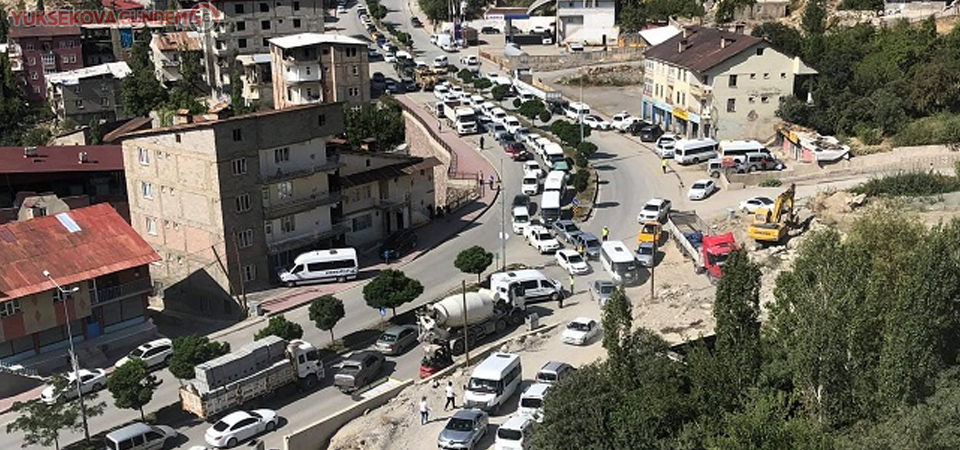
[{"x": 548, "y": 63}]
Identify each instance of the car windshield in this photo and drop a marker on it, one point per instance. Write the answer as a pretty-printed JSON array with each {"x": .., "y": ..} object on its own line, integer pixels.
[
  {"x": 221, "y": 426},
  {"x": 255, "y": 415},
  {"x": 352, "y": 365},
  {"x": 521, "y": 219},
  {"x": 591, "y": 243},
  {"x": 481, "y": 385},
  {"x": 651, "y": 207},
  {"x": 460, "y": 424},
  {"x": 137, "y": 353},
  {"x": 699, "y": 186},
  {"x": 544, "y": 236},
  {"x": 717, "y": 260},
  {"x": 508, "y": 434},
  {"x": 531, "y": 402},
  {"x": 569, "y": 227},
  {"x": 575, "y": 258},
  {"x": 547, "y": 376},
  {"x": 387, "y": 337},
  {"x": 530, "y": 180},
  {"x": 606, "y": 289},
  {"x": 578, "y": 326},
  {"x": 645, "y": 250}
]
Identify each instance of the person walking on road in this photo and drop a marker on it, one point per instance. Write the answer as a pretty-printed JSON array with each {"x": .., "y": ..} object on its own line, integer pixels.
[
  {"x": 604, "y": 233},
  {"x": 481, "y": 142},
  {"x": 424, "y": 411},
  {"x": 491, "y": 181},
  {"x": 663, "y": 165},
  {"x": 571, "y": 291},
  {"x": 440, "y": 126},
  {"x": 451, "y": 396}
]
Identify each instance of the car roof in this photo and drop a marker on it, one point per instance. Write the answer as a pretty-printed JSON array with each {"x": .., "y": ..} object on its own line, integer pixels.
[
  {"x": 702, "y": 181},
  {"x": 469, "y": 414},
  {"x": 656, "y": 201},
  {"x": 604, "y": 283},
  {"x": 396, "y": 329},
  {"x": 235, "y": 417},
  {"x": 129, "y": 431},
  {"x": 587, "y": 235},
  {"x": 582, "y": 320},
  {"x": 358, "y": 356},
  {"x": 645, "y": 245},
  {"x": 516, "y": 423},
  {"x": 567, "y": 251},
  {"x": 553, "y": 366},
  {"x": 156, "y": 343}
]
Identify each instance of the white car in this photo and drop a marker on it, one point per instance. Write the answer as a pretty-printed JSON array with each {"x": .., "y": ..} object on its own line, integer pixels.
[
  {"x": 390, "y": 57},
  {"x": 572, "y": 262},
  {"x": 90, "y": 381},
  {"x": 440, "y": 92},
  {"x": 621, "y": 120},
  {"x": 654, "y": 210},
  {"x": 530, "y": 184},
  {"x": 580, "y": 330},
  {"x": 451, "y": 96},
  {"x": 752, "y": 204},
  {"x": 470, "y": 60},
  {"x": 513, "y": 124},
  {"x": 701, "y": 189},
  {"x": 529, "y": 139},
  {"x": 153, "y": 353},
  {"x": 540, "y": 238},
  {"x": 532, "y": 167},
  {"x": 457, "y": 90},
  {"x": 239, "y": 426},
  {"x": 595, "y": 122}
]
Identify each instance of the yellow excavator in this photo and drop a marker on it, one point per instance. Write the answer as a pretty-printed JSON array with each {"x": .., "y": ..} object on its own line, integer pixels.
[
  {"x": 770, "y": 225},
  {"x": 426, "y": 77}
]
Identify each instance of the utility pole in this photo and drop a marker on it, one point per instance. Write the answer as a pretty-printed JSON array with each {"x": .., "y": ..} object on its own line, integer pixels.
[
  {"x": 653, "y": 265},
  {"x": 580, "y": 109},
  {"x": 74, "y": 363},
  {"x": 466, "y": 332},
  {"x": 503, "y": 222}
]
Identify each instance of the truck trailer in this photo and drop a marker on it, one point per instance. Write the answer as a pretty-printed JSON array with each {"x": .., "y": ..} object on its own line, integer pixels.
[
  {"x": 524, "y": 81},
  {"x": 708, "y": 252}
]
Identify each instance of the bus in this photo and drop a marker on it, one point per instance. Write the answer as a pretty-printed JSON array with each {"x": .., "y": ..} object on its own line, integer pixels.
[
  {"x": 552, "y": 154},
  {"x": 340, "y": 264},
  {"x": 619, "y": 262},
  {"x": 556, "y": 181},
  {"x": 734, "y": 149},
  {"x": 550, "y": 207},
  {"x": 695, "y": 151}
]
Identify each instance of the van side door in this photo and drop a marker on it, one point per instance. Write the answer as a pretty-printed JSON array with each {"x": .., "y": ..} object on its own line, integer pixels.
[{"x": 531, "y": 290}]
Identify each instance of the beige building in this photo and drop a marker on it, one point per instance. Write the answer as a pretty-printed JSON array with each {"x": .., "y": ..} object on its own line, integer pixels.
[
  {"x": 226, "y": 202},
  {"x": 257, "y": 80},
  {"x": 319, "y": 68},
  {"x": 706, "y": 82},
  {"x": 165, "y": 50}
]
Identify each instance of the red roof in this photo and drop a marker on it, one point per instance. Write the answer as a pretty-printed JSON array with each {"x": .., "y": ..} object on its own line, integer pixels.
[
  {"x": 103, "y": 243},
  {"x": 121, "y": 5},
  {"x": 65, "y": 158},
  {"x": 43, "y": 31}
]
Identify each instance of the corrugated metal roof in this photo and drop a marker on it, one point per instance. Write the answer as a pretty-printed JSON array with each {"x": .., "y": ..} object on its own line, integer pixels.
[
  {"x": 118, "y": 70},
  {"x": 380, "y": 173},
  {"x": 17, "y": 31},
  {"x": 174, "y": 41},
  {"x": 702, "y": 49},
  {"x": 104, "y": 244},
  {"x": 63, "y": 158}
]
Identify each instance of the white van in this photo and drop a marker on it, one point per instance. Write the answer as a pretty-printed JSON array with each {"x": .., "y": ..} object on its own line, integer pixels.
[
  {"x": 694, "y": 151},
  {"x": 494, "y": 381},
  {"x": 531, "y": 401},
  {"x": 540, "y": 144},
  {"x": 576, "y": 110},
  {"x": 550, "y": 207},
  {"x": 498, "y": 115},
  {"x": 512, "y": 433},
  {"x": 740, "y": 148},
  {"x": 535, "y": 285},
  {"x": 555, "y": 182},
  {"x": 665, "y": 145},
  {"x": 552, "y": 154},
  {"x": 521, "y": 218},
  {"x": 139, "y": 436},
  {"x": 340, "y": 263},
  {"x": 619, "y": 262},
  {"x": 486, "y": 109}
]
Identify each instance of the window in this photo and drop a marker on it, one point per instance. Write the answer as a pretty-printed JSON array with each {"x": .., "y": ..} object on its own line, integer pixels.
[
  {"x": 764, "y": 99},
  {"x": 751, "y": 99},
  {"x": 287, "y": 224},
  {"x": 238, "y": 8},
  {"x": 249, "y": 273},
  {"x": 783, "y": 76},
  {"x": 731, "y": 105},
  {"x": 354, "y": 92},
  {"x": 351, "y": 52},
  {"x": 281, "y": 155},
  {"x": 356, "y": 70},
  {"x": 67, "y": 291},
  {"x": 243, "y": 203},
  {"x": 237, "y": 134},
  {"x": 732, "y": 81},
  {"x": 242, "y": 43},
  {"x": 760, "y": 51},
  {"x": 753, "y": 76},
  {"x": 766, "y": 76},
  {"x": 104, "y": 101},
  {"x": 31, "y": 61},
  {"x": 322, "y": 120},
  {"x": 362, "y": 223},
  {"x": 144, "y": 155},
  {"x": 146, "y": 189},
  {"x": 245, "y": 239},
  {"x": 34, "y": 75},
  {"x": 264, "y": 7},
  {"x": 268, "y": 228},
  {"x": 240, "y": 166},
  {"x": 285, "y": 190},
  {"x": 9, "y": 308},
  {"x": 30, "y": 47},
  {"x": 241, "y": 26},
  {"x": 73, "y": 58},
  {"x": 296, "y": 6},
  {"x": 151, "y": 226},
  {"x": 78, "y": 103},
  {"x": 36, "y": 89},
  {"x": 296, "y": 23},
  {"x": 264, "y": 24},
  {"x": 65, "y": 59},
  {"x": 178, "y": 137},
  {"x": 265, "y": 42}
]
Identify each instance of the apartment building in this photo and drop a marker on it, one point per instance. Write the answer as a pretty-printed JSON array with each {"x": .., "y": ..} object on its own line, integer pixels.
[
  {"x": 41, "y": 50},
  {"x": 227, "y": 202},
  {"x": 574, "y": 15},
  {"x": 245, "y": 27},
  {"x": 707, "y": 82},
  {"x": 165, "y": 52},
  {"x": 324, "y": 68},
  {"x": 88, "y": 94},
  {"x": 257, "y": 80}
]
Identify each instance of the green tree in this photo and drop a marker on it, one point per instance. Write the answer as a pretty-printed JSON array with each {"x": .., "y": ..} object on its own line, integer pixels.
[
  {"x": 188, "y": 351},
  {"x": 531, "y": 109},
  {"x": 474, "y": 260},
  {"x": 237, "y": 102},
  {"x": 499, "y": 92},
  {"x": 736, "y": 311},
  {"x": 391, "y": 289},
  {"x": 40, "y": 5},
  {"x": 4, "y": 23},
  {"x": 132, "y": 385},
  {"x": 545, "y": 116},
  {"x": 325, "y": 312},
  {"x": 726, "y": 9},
  {"x": 466, "y": 75},
  {"x": 783, "y": 37},
  {"x": 381, "y": 121},
  {"x": 184, "y": 94},
  {"x": 96, "y": 133},
  {"x": 814, "y": 19},
  {"x": 482, "y": 83},
  {"x": 280, "y": 327},
  {"x": 41, "y": 423},
  {"x": 141, "y": 91},
  {"x": 766, "y": 424},
  {"x": 617, "y": 321},
  {"x": 12, "y": 104}
]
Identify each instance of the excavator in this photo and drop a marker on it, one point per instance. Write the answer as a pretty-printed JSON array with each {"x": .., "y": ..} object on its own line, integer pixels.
[
  {"x": 771, "y": 225},
  {"x": 426, "y": 77}
]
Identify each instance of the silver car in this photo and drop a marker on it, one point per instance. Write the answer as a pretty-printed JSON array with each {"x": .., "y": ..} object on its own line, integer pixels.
[
  {"x": 464, "y": 430},
  {"x": 645, "y": 254},
  {"x": 601, "y": 290}
]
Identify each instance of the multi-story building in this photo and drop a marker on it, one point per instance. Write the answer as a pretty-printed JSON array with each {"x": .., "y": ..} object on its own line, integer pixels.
[
  {"x": 245, "y": 26},
  {"x": 706, "y": 82},
  {"x": 165, "y": 50},
  {"x": 574, "y": 15},
  {"x": 226, "y": 202},
  {"x": 319, "y": 68},
  {"x": 383, "y": 193},
  {"x": 88, "y": 94},
  {"x": 41, "y": 50},
  {"x": 91, "y": 249},
  {"x": 257, "y": 80}
]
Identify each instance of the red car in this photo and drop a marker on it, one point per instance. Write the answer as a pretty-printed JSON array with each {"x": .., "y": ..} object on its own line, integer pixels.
[
  {"x": 518, "y": 151},
  {"x": 522, "y": 156}
]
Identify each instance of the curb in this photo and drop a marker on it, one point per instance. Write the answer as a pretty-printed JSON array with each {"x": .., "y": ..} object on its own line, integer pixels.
[{"x": 596, "y": 194}]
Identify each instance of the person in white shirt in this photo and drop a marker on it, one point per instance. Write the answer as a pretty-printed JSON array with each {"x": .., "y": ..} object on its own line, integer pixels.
[
  {"x": 424, "y": 411},
  {"x": 451, "y": 403}
]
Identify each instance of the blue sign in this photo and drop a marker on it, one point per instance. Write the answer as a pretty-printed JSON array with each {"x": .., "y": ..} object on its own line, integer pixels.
[
  {"x": 575, "y": 202},
  {"x": 383, "y": 311}
]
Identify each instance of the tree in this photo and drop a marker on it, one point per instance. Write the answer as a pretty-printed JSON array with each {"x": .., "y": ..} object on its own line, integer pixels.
[
  {"x": 727, "y": 9},
  {"x": 545, "y": 116},
  {"x": 814, "y": 19},
  {"x": 41, "y": 423},
  {"x": 531, "y": 109},
  {"x": 466, "y": 75},
  {"x": 482, "y": 83},
  {"x": 96, "y": 133},
  {"x": 132, "y": 385},
  {"x": 184, "y": 94},
  {"x": 40, "y": 5},
  {"x": 4, "y": 23},
  {"x": 188, "y": 351},
  {"x": 382, "y": 121},
  {"x": 237, "y": 102},
  {"x": 499, "y": 92},
  {"x": 12, "y": 104},
  {"x": 617, "y": 321},
  {"x": 280, "y": 327},
  {"x": 140, "y": 90},
  {"x": 474, "y": 260},
  {"x": 391, "y": 289},
  {"x": 736, "y": 310},
  {"x": 783, "y": 37},
  {"x": 325, "y": 312}
]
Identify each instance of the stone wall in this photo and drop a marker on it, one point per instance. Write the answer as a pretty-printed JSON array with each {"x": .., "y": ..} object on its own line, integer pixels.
[
  {"x": 423, "y": 145},
  {"x": 546, "y": 63}
]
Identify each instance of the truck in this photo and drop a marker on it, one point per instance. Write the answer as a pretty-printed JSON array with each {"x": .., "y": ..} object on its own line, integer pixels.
[
  {"x": 461, "y": 118},
  {"x": 524, "y": 81},
  {"x": 426, "y": 77},
  {"x": 258, "y": 369},
  {"x": 693, "y": 239},
  {"x": 483, "y": 313}
]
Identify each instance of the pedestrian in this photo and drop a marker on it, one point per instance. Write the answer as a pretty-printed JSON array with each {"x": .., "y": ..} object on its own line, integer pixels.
[
  {"x": 481, "y": 142},
  {"x": 424, "y": 411},
  {"x": 491, "y": 181},
  {"x": 451, "y": 403},
  {"x": 571, "y": 290},
  {"x": 663, "y": 165},
  {"x": 604, "y": 233},
  {"x": 580, "y": 249},
  {"x": 440, "y": 126}
]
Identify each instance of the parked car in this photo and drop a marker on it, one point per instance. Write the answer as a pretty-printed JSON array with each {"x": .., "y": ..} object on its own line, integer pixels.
[
  {"x": 656, "y": 209},
  {"x": 622, "y": 120},
  {"x": 539, "y": 238},
  {"x": 521, "y": 200},
  {"x": 378, "y": 78},
  {"x": 522, "y": 156},
  {"x": 505, "y": 138},
  {"x": 397, "y": 339},
  {"x": 580, "y": 331},
  {"x": 154, "y": 353},
  {"x": 464, "y": 430},
  {"x": 701, "y": 189},
  {"x": 358, "y": 370},
  {"x": 554, "y": 371},
  {"x": 648, "y": 132},
  {"x": 566, "y": 230},
  {"x": 752, "y": 204},
  {"x": 645, "y": 254},
  {"x": 239, "y": 426},
  {"x": 495, "y": 128},
  {"x": 601, "y": 290},
  {"x": 530, "y": 185},
  {"x": 415, "y": 21},
  {"x": 398, "y": 244},
  {"x": 512, "y": 433},
  {"x": 590, "y": 243},
  {"x": 392, "y": 86},
  {"x": 532, "y": 167},
  {"x": 572, "y": 262},
  {"x": 514, "y": 147},
  {"x": 90, "y": 381},
  {"x": 595, "y": 122},
  {"x": 489, "y": 30},
  {"x": 752, "y": 162}
]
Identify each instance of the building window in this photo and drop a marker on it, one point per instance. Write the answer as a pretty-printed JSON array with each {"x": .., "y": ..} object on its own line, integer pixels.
[
  {"x": 245, "y": 238},
  {"x": 240, "y": 166},
  {"x": 104, "y": 101},
  {"x": 243, "y": 203},
  {"x": 265, "y": 42},
  {"x": 732, "y": 81},
  {"x": 78, "y": 103},
  {"x": 238, "y": 8},
  {"x": 351, "y": 52},
  {"x": 753, "y": 76},
  {"x": 285, "y": 190},
  {"x": 249, "y": 273},
  {"x": 764, "y": 99},
  {"x": 325, "y": 51},
  {"x": 296, "y": 6},
  {"x": 264, "y": 7},
  {"x": 10, "y": 308},
  {"x": 362, "y": 223},
  {"x": 146, "y": 189},
  {"x": 73, "y": 58},
  {"x": 65, "y": 59},
  {"x": 760, "y": 51},
  {"x": 32, "y": 61},
  {"x": 287, "y": 224},
  {"x": 34, "y": 75},
  {"x": 237, "y": 134},
  {"x": 731, "y": 105},
  {"x": 356, "y": 70},
  {"x": 766, "y": 76},
  {"x": 36, "y": 89},
  {"x": 241, "y": 26},
  {"x": 30, "y": 47},
  {"x": 268, "y": 228},
  {"x": 242, "y": 43},
  {"x": 322, "y": 120},
  {"x": 281, "y": 155},
  {"x": 151, "y": 226},
  {"x": 264, "y": 24},
  {"x": 354, "y": 92},
  {"x": 178, "y": 137},
  {"x": 751, "y": 99},
  {"x": 296, "y": 23}
]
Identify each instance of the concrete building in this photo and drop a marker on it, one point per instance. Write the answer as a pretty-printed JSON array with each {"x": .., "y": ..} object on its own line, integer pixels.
[
  {"x": 245, "y": 27},
  {"x": 41, "y": 50},
  {"x": 228, "y": 201},
  {"x": 324, "y": 68},
  {"x": 384, "y": 193},
  {"x": 706, "y": 82},
  {"x": 165, "y": 49},
  {"x": 588, "y": 22},
  {"x": 92, "y": 249},
  {"x": 257, "y": 79},
  {"x": 88, "y": 94}
]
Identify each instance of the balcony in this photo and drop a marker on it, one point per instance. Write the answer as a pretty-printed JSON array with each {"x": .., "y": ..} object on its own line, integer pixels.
[
  {"x": 331, "y": 164},
  {"x": 303, "y": 240},
  {"x": 170, "y": 63},
  {"x": 49, "y": 60},
  {"x": 299, "y": 205},
  {"x": 700, "y": 90},
  {"x": 298, "y": 74},
  {"x": 122, "y": 291}
]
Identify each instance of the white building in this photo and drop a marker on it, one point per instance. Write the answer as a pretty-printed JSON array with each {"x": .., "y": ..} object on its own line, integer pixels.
[{"x": 590, "y": 22}]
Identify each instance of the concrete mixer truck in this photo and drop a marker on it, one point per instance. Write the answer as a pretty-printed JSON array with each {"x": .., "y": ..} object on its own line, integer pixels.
[{"x": 442, "y": 323}]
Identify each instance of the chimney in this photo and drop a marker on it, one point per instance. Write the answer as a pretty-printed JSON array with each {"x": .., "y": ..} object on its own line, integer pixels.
[
  {"x": 724, "y": 42},
  {"x": 183, "y": 117},
  {"x": 83, "y": 157},
  {"x": 29, "y": 152},
  {"x": 682, "y": 46}
]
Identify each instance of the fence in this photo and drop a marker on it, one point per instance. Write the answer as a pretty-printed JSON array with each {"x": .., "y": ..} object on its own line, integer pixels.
[{"x": 452, "y": 172}]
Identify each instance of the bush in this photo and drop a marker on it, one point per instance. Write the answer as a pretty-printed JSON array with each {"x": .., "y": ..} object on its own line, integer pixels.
[
  {"x": 771, "y": 182},
  {"x": 587, "y": 148},
  {"x": 516, "y": 103},
  {"x": 581, "y": 178},
  {"x": 545, "y": 116},
  {"x": 466, "y": 75},
  {"x": 531, "y": 109},
  {"x": 909, "y": 184},
  {"x": 868, "y": 135},
  {"x": 482, "y": 83},
  {"x": 452, "y": 69},
  {"x": 580, "y": 159},
  {"x": 500, "y": 92},
  {"x": 934, "y": 130}
]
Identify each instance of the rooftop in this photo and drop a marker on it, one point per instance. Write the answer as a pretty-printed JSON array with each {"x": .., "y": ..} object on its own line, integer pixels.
[
  {"x": 211, "y": 123},
  {"x": 175, "y": 41},
  {"x": 656, "y": 36},
  {"x": 74, "y": 246},
  {"x": 17, "y": 32},
  {"x": 99, "y": 158},
  {"x": 135, "y": 124},
  {"x": 118, "y": 70},
  {"x": 256, "y": 58},
  {"x": 700, "y": 48},
  {"x": 407, "y": 166},
  {"x": 305, "y": 39}
]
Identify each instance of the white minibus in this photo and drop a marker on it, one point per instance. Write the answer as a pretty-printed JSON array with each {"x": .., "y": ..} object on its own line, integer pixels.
[
  {"x": 494, "y": 381},
  {"x": 576, "y": 110},
  {"x": 555, "y": 182},
  {"x": 740, "y": 148},
  {"x": 550, "y": 207},
  {"x": 694, "y": 151},
  {"x": 619, "y": 262},
  {"x": 552, "y": 154},
  {"x": 340, "y": 264}
]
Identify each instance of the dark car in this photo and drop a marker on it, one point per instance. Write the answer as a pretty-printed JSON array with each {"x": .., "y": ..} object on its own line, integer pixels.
[
  {"x": 557, "y": 106},
  {"x": 591, "y": 245},
  {"x": 395, "y": 340},
  {"x": 378, "y": 77},
  {"x": 522, "y": 156},
  {"x": 416, "y": 22},
  {"x": 464, "y": 430},
  {"x": 521, "y": 200},
  {"x": 392, "y": 86},
  {"x": 506, "y": 139},
  {"x": 489, "y": 30},
  {"x": 358, "y": 370},
  {"x": 649, "y": 133},
  {"x": 398, "y": 244},
  {"x": 410, "y": 85}
]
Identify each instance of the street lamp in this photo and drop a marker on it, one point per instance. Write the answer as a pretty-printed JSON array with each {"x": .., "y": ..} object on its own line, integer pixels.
[
  {"x": 503, "y": 222},
  {"x": 73, "y": 354}
]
